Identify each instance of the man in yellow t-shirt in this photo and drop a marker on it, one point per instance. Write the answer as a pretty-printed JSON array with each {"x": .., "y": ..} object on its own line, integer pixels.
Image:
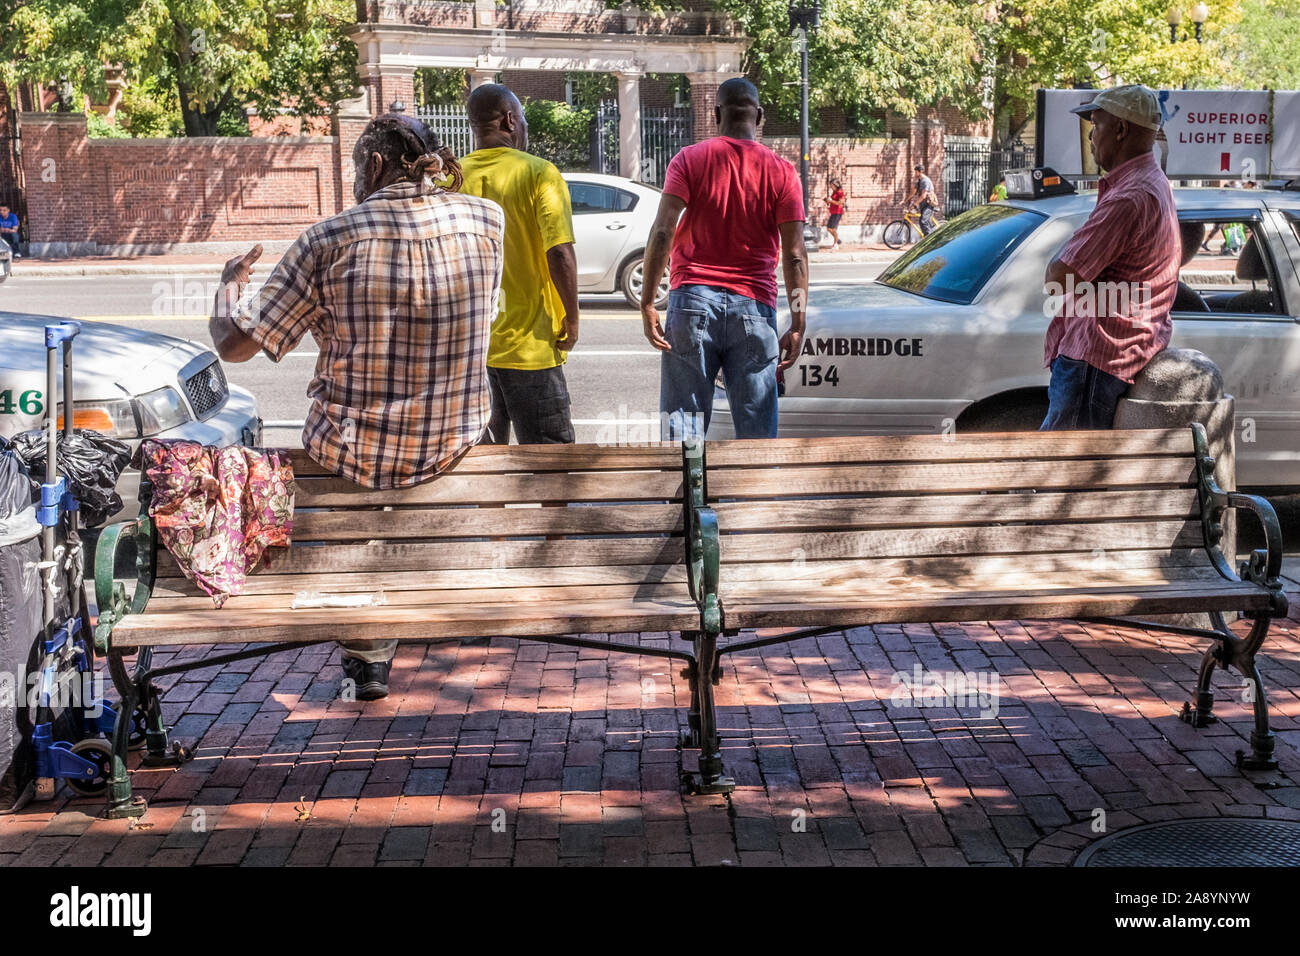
[{"x": 537, "y": 318}]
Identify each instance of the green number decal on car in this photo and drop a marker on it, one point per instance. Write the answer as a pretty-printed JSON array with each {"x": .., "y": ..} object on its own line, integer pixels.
[{"x": 29, "y": 402}]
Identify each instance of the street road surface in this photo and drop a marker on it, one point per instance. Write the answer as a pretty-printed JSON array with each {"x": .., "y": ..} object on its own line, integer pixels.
[{"x": 613, "y": 375}]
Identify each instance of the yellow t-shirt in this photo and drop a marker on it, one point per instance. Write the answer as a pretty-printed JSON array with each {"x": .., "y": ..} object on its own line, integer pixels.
[{"x": 539, "y": 217}]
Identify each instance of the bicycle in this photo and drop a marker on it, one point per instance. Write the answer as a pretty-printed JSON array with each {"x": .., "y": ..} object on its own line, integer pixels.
[{"x": 899, "y": 232}]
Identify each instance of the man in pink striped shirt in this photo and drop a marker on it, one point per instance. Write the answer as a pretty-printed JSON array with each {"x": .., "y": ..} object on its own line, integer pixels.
[{"x": 1117, "y": 276}]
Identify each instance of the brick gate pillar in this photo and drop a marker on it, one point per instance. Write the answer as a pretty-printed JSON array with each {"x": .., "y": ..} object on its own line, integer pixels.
[
  {"x": 704, "y": 97},
  {"x": 350, "y": 119},
  {"x": 386, "y": 85},
  {"x": 58, "y": 178}
]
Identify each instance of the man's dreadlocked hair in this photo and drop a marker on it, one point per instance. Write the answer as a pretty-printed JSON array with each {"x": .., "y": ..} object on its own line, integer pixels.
[{"x": 411, "y": 145}]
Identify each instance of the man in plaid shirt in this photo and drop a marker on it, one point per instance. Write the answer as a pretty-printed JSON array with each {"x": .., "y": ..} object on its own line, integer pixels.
[{"x": 399, "y": 292}]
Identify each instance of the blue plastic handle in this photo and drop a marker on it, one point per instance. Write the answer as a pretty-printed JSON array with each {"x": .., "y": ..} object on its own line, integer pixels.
[{"x": 63, "y": 332}]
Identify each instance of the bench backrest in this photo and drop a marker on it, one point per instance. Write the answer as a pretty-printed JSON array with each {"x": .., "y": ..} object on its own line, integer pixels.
[
  {"x": 956, "y": 507},
  {"x": 575, "y": 516}
]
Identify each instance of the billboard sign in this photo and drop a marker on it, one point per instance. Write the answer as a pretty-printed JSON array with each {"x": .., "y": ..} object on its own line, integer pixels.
[{"x": 1207, "y": 134}]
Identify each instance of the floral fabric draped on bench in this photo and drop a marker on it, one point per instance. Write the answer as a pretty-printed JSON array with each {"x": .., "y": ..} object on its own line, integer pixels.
[{"x": 217, "y": 510}]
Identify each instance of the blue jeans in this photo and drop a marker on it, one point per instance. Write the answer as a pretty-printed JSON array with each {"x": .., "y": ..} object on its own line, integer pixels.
[
  {"x": 1081, "y": 397},
  {"x": 711, "y": 328}
]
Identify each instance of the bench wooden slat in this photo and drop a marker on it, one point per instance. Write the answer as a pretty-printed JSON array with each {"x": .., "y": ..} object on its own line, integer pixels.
[
  {"x": 419, "y": 556},
  {"x": 934, "y": 510},
  {"x": 647, "y": 613},
  {"x": 504, "y": 459},
  {"x": 799, "y": 612},
  {"x": 343, "y": 582},
  {"x": 918, "y": 542},
  {"x": 457, "y": 488},
  {"x": 947, "y": 477},
  {"x": 954, "y": 510},
  {"x": 949, "y": 568},
  {"x": 403, "y": 622},
  {"x": 754, "y": 582},
  {"x": 359, "y": 525},
  {"x": 1141, "y": 443}
]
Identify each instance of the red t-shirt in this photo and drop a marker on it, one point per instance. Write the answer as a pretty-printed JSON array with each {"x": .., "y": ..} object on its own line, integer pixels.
[
  {"x": 837, "y": 203},
  {"x": 737, "y": 193}
]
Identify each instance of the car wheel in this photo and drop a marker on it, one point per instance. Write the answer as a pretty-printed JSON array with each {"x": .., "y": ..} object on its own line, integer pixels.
[
  {"x": 633, "y": 281},
  {"x": 1020, "y": 413}
]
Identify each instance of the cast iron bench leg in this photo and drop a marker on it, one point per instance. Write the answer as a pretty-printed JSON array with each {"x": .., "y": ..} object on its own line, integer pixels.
[
  {"x": 120, "y": 802},
  {"x": 703, "y": 718},
  {"x": 1239, "y": 654}
]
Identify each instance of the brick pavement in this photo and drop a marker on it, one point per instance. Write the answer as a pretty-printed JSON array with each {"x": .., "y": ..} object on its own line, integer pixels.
[{"x": 494, "y": 753}]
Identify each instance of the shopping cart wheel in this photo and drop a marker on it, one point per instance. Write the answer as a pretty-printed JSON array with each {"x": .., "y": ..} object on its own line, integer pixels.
[{"x": 97, "y": 752}]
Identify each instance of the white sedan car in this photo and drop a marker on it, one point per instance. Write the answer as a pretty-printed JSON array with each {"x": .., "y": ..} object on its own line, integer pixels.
[
  {"x": 129, "y": 384},
  {"x": 951, "y": 333},
  {"x": 611, "y": 221}
]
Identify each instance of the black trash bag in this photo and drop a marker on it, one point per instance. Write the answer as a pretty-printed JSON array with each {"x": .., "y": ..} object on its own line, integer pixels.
[{"x": 93, "y": 462}]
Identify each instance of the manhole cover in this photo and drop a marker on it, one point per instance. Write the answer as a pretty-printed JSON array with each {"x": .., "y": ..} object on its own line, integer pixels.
[{"x": 1216, "y": 841}]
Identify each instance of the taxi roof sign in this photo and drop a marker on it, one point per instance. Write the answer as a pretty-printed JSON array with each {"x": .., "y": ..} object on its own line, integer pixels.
[{"x": 1037, "y": 183}]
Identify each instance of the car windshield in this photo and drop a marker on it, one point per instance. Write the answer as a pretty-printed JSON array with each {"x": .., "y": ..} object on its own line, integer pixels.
[{"x": 954, "y": 261}]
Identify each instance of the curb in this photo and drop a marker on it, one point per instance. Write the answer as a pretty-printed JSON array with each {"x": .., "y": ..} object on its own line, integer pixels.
[{"x": 48, "y": 272}]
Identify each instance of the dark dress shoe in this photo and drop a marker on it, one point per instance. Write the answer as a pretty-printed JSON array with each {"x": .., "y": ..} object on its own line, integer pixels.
[{"x": 371, "y": 679}]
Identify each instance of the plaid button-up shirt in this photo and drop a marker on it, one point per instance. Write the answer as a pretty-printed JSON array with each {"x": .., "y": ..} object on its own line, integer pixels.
[{"x": 399, "y": 292}]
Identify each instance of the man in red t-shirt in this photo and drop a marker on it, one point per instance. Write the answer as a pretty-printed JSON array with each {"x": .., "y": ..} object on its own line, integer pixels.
[{"x": 739, "y": 203}]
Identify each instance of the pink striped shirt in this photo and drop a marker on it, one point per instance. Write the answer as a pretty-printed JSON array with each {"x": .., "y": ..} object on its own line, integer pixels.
[{"x": 1125, "y": 261}]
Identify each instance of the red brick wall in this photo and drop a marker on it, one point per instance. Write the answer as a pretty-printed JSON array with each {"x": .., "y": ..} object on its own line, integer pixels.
[
  {"x": 285, "y": 125},
  {"x": 957, "y": 124},
  {"x": 535, "y": 84},
  {"x": 876, "y": 173},
  {"x": 160, "y": 192}
]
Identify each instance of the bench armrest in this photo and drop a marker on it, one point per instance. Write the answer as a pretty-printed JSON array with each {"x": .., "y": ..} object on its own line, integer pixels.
[
  {"x": 1264, "y": 566},
  {"x": 702, "y": 541},
  {"x": 110, "y": 595}
]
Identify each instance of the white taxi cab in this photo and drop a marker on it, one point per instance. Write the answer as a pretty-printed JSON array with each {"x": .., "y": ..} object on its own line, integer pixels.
[{"x": 951, "y": 334}]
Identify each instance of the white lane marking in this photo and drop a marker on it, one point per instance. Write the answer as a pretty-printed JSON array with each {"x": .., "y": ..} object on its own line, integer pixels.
[
  {"x": 602, "y": 352},
  {"x": 616, "y": 421}
]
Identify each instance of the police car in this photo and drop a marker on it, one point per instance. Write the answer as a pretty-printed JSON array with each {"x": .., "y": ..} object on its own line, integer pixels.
[
  {"x": 129, "y": 384},
  {"x": 950, "y": 335}
]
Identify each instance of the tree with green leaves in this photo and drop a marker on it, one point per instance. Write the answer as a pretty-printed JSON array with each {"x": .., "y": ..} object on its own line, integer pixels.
[
  {"x": 1267, "y": 47},
  {"x": 868, "y": 55},
  {"x": 1064, "y": 43},
  {"x": 290, "y": 55}
]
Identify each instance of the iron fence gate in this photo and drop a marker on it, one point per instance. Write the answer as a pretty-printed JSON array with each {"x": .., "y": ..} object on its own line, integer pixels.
[
  {"x": 971, "y": 170},
  {"x": 451, "y": 124},
  {"x": 665, "y": 131},
  {"x": 11, "y": 176}
]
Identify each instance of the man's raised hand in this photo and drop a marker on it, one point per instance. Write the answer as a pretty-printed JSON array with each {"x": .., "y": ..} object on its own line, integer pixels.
[
  {"x": 234, "y": 276},
  {"x": 238, "y": 269}
]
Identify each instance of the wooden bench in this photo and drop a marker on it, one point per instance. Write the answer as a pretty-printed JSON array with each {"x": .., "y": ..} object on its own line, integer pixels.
[
  {"x": 544, "y": 542},
  {"x": 813, "y": 534}
]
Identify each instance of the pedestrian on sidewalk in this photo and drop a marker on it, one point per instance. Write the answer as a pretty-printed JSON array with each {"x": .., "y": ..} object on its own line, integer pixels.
[
  {"x": 9, "y": 230},
  {"x": 399, "y": 293},
  {"x": 1118, "y": 275},
  {"x": 537, "y": 324},
  {"x": 836, "y": 212},
  {"x": 738, "y": 203}
]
